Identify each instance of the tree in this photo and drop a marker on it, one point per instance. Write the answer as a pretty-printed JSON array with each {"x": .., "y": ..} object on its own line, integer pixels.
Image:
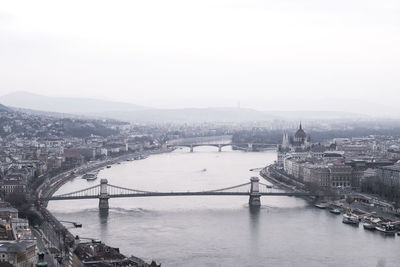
[
  {"x": 349, "y": 199},
  {"x": 18, "y": 200}
]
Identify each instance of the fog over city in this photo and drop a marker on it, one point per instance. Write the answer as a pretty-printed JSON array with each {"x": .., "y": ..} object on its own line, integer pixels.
[
  {"x": 200, "y": 133},
  {"x": 265, "y": 55}
]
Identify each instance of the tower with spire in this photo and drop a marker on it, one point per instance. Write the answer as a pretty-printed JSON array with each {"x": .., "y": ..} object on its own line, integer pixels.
[
  {"x": 285, "y": 140},
  {"x": 300, "y": 140}
]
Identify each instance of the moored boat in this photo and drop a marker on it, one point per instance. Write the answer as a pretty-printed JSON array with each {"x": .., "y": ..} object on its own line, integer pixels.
[
  {"x": 387, "y": 229},
  {"x": 335, "y": 211},
  {"x": 350, "y": 218},
  {"x": 321, "y": 206},
  {"x": 369, "y": 226}
]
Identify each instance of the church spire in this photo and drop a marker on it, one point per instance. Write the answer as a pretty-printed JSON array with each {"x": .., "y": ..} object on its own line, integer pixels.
[{"x": 300, "y": 126}]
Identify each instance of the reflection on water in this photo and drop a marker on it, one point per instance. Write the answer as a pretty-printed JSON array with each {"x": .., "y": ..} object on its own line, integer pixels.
[
  {"x": 218, "y": 230},
  {"x": 254, "y": 217},
  {"x": 103, "y": 215}
]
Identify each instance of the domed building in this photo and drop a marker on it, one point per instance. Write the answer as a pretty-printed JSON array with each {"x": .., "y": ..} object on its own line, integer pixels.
[
  {"x": 300, "y": 135},
  {"x": 298, "y": 145},
  {"x": 299, "y": 142}
]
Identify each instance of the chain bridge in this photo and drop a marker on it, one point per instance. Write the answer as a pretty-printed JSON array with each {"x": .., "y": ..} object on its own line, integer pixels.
[{"x": 104, "y": 191}]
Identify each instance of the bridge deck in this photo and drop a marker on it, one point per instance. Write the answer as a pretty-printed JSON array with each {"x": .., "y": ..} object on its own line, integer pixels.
[
  {"x": 220, "y": 144},
  {"x": 165, "y": 194}
]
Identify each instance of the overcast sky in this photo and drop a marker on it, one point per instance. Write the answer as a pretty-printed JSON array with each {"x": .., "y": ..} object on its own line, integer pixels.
[{"x": 269, "y": 55}]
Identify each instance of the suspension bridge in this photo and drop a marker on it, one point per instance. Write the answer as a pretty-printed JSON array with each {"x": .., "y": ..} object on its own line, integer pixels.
[
  {"x": 241, "y": 146},
  {"x": 104, "y": 191}
]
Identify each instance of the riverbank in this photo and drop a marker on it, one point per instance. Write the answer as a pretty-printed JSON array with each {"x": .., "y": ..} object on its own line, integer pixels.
[
  {"x": 265, "y": 173},
  {"x": 349, "y": 202}
]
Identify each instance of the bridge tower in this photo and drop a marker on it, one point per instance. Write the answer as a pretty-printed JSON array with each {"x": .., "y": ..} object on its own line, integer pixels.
[
  {"x": 254, "y": 199},
  {"x": 249, "y": 147},
  {"x": 219, "y": 147},
  {"x": 104, "y": 196}
]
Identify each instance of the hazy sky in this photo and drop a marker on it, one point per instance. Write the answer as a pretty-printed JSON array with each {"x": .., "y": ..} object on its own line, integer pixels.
[{"x": 281, "y": 54}]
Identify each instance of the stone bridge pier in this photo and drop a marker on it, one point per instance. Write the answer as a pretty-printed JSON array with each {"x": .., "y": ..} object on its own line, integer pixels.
[
  {"x": 104, "y": 196},
  {"x": 254, "y": 199}
]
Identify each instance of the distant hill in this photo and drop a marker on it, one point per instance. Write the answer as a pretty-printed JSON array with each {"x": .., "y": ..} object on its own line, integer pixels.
[
  {"x": 72, "y": 105},
  {"x": 314, "y": 115},
  {"x": 224, "y": 115},
  {"x": 189, "y": 115},
  {"x": 135, "y": 113},
  {"x": 4, "y": 108}
]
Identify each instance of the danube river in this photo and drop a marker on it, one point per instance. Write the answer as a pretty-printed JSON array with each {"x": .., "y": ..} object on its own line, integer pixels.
[{"x": 218, "y": 230}]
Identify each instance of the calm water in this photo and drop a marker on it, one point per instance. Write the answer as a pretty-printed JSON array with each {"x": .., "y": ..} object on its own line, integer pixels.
[{"x": 218, "y": 231}]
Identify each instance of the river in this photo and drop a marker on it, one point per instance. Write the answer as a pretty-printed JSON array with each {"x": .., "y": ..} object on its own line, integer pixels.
[{"x": 218, "y": 230}]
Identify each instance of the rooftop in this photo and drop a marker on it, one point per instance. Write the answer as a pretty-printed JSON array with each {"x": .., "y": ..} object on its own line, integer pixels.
[
  {"x": 391, "y": 168},
  {"x": 15, "y": 247},
  {"x": 8, "y": 210}
]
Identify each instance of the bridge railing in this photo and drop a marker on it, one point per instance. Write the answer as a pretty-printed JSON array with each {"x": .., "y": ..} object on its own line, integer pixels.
[
  {"x": 265, "y": 188},
  {"x": 90, "y": 191},
  {"x": 239, "y": 188},
  {"x": 114, "y": 189}
]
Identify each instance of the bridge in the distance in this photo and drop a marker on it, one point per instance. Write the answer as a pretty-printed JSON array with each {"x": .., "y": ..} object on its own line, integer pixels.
[
  {"x": 104, "y": 191},
  {"x": 240, "y": 146}
]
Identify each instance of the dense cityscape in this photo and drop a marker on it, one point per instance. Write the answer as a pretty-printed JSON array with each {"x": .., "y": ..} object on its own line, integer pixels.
[
  {"x": 199, "y": 133},
  {"x": 356, "y": 176}
]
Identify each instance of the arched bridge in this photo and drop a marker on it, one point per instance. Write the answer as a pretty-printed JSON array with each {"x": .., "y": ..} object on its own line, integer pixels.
[
  {"x": 104, "y": 191},
  {"x": 243, "y": 146}
]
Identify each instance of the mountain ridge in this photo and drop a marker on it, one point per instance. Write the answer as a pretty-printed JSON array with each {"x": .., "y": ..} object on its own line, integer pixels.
[
  {"x": 135, "y": 113},
  {"x": 28, "y": 100}
]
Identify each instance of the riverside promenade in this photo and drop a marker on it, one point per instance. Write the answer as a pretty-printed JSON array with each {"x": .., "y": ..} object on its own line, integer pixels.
[
  {"x": 278, "y": 179},
  {"x": 363, "y": 204}
]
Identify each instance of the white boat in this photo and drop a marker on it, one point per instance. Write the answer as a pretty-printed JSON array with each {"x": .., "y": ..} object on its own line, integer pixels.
[
  {"x": 90, "y": 176},
  {"x": 335, "y": 211},
  {"x": 387, "y": 229},
  {"x": 350, "y": 218},
  {"x": 369, "y": 226},
  {"x": 321, "y": 206}
]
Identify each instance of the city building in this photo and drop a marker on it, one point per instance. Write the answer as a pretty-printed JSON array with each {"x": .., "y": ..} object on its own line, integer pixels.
[
  {"x": 18, "y": 253},
  {"x": 10, "y": 186},
  {"x": 389, "y": 175}
]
